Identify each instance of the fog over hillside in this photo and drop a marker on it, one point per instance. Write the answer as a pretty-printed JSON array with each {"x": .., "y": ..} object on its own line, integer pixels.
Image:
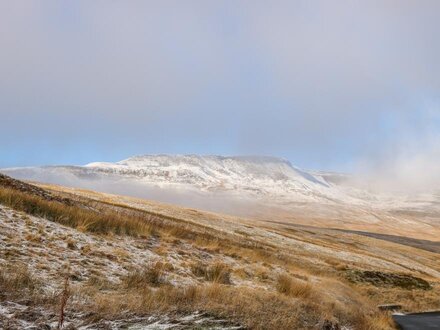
[{"x": 245, "y": 186}]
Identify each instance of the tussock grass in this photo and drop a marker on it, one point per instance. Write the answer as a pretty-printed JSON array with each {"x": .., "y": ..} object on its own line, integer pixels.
[
  {"x": 74, "y": 216},
  {"x": 17, "y": 280},
  {"x": 287, "y": 285},
  {"x": 218, "y": 272},
  {"x": 104, "y": 218},
  {"x": 412, "y": 300},
  {"x": 99, "y": 283},
  {"x": 256, "y": 310},
  {"x": 294, "y": 304},
  {"x": 252, "y": 308},
  {"x": 198, "y": 269},
  {"x": 152, "y": 275}
]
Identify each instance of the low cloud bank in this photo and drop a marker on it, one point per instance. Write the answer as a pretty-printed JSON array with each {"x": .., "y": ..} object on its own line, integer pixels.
[{"x": 409, "y": 160}]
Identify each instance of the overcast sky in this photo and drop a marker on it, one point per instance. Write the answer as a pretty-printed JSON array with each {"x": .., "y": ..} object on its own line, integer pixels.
[{"x": 325, "y": 84}]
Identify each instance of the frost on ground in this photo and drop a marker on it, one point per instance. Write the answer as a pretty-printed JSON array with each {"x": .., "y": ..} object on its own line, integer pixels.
[
  {"x": 49, "y": 250},
  {"x": 20, "y": 316},
  {"x": 197, "y": 270},
  {"x": 196, "y": 320}
]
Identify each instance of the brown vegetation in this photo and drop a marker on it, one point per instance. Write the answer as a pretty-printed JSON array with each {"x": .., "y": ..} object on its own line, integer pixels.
[
  {"x": 382, "y": 279},
  {"x": 253, "y": 308},
  {"x": 74, "y": 216},
  {"x": 293, "y": 287},
  {"x": 217, "y": 272},
  {"x": 151, "y": 275},
  {"x": 272, "y": 288},
  {"x": 17, "y": 280}
]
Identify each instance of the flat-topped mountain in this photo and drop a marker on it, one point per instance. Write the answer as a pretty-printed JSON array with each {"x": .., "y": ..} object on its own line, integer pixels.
[
  {"x": 248, "y": 176},
  {"x": 214, "y": 172},
  {"x": 262, "y": 187}
]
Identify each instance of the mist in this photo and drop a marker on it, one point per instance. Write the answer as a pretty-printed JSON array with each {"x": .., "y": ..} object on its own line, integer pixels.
[
  {"x": 336, "y": 86},
  {"x": 408, "y": 160}
]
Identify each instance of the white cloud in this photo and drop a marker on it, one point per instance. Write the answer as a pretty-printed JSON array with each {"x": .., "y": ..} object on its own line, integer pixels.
[{"x": 306, "y": 80}]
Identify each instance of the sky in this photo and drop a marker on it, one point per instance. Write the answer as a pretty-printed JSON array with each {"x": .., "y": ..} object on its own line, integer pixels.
[{"x": 331, "y": 85}]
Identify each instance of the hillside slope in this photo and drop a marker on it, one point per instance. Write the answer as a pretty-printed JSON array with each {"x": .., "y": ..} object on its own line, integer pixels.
[
  {"x": 263, "y": 188},
  {"x": 139, "y": 263}
]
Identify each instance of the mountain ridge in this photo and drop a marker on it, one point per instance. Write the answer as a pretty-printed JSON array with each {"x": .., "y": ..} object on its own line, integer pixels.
[
  {"x": 225, "y": 180},
  {"x": 264, "y": 188}
]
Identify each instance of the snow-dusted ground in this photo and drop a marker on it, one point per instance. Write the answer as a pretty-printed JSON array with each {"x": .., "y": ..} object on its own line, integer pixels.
[
  {"x": 48, "y": 249},
  {"x": 19, "y": 316},
  {"x": 165, "y": 322}
]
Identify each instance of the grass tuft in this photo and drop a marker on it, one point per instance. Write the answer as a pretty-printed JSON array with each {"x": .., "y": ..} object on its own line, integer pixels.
[
  {"x": 17, "y": 280},
  {"x": 75, "y": 216},
  {"x": 218, "y": 272},
  {"x": 152, "y": 275},
  {"x": 293, "y": 287}
]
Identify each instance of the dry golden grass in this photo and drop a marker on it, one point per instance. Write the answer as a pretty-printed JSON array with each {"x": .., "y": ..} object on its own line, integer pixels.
[
  {"x": 113, "y": 218},
  {"x": 293, "y": 287},
  {"x": 121, "y": 254},
  {"x": 198, "y": 269},
  {"x": 151, "y": 275},
  {"x": 253, "y": 308},
  {"x": 217, "y": 272},
  {"x": 314, "y": 292},
  {"x": 99, "y": 283},
  {"x": 33, "y": 237},
  {"x": 242, "y": 273},
  {"x": 262, "y": 273},
  {"x": 120, "y": 220},
  {"x": 74, "y": 216},
  {"x": 17, "y": 280},
  {"x": 411, "y": 300},
  {"x": 380, "y": 321}
]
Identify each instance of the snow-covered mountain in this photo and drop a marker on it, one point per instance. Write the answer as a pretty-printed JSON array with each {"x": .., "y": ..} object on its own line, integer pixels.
[
  {"x": 245, "y": 176},
  {"x": 259, "y": 175},
  {"x": 210, "y": 181}
]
